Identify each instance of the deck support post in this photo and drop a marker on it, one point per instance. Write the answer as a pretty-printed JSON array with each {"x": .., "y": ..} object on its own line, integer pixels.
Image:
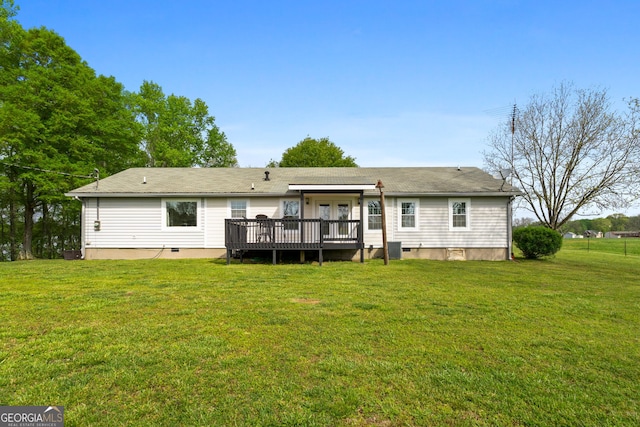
[
  {"x": 302, "y": 216},
  {"x": 360, "y": 227}
]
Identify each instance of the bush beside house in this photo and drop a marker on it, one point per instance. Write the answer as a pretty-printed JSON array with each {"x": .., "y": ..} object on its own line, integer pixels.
[{"x": 537, "y": 242}]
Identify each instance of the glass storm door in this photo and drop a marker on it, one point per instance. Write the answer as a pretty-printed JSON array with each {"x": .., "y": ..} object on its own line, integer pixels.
[
  {"x": 324, "y": 212},
  {"x": 340, "y": 211},
  {"x": 343, "y": 215}
]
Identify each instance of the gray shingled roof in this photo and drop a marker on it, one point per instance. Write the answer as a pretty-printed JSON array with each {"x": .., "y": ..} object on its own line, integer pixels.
[{"x": 224, "y": 181}]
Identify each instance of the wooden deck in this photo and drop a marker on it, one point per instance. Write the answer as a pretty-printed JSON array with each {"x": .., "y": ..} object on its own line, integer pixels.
[{"x": 292, "y": 234}]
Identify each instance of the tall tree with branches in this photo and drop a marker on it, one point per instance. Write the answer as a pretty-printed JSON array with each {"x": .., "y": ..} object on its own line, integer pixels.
[
  {"x": 570, "y": 152},
  {"x": 178, "y": 132},
  {"x": 312, "y": 152},
  {"x": 58, "y": 121}
]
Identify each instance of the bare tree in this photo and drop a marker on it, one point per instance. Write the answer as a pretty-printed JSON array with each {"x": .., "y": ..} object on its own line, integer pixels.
[{"x": 569, "y": 153}]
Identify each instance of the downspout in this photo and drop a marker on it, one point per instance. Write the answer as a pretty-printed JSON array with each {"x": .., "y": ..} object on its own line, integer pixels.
[
  {"x": 83, "y": 223},
  {"x": 361, "y": 226},
  {"x": 510, "y": 228},
  {"x": 302, "y": 225}
]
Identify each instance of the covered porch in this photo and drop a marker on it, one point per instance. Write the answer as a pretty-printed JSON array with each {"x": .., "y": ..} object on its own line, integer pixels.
[{"x": 325, "y": 231}]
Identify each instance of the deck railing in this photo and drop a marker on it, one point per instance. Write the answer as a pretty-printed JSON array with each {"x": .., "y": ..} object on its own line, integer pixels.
[{"x": 291, "y": 233}]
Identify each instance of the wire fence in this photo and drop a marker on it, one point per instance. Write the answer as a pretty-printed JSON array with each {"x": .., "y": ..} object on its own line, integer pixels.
[{"x": 628, "y": 246}]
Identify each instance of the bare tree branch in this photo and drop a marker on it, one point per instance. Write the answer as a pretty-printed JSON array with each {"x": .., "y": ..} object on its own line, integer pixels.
[{"x": 571, "y": 153}]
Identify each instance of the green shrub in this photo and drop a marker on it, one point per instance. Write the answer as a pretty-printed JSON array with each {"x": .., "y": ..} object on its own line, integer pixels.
[{"x": 537, "y": 242}]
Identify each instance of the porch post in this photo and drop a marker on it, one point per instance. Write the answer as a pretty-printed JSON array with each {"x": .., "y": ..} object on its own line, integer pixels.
[
  {"x": 302, "y": 216},
  {"x": 321, "y": 241},
  {"x": 385, "y": 247},
  {"x": 301, "y": 224},
  {"x": 361, "y": 227},
  {"x": 509, "y": 229}
]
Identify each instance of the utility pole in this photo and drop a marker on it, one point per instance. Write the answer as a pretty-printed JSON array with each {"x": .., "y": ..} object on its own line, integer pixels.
[
  {"x": 513, "y": 132},
  {"x": 385, "y": 247},
  {"x": 510, "y": 202}
]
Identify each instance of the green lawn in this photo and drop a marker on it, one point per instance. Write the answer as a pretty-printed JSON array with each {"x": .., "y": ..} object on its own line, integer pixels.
[
  {"x": 624, "y": 247},
  {"x": 197, "y": 342}
]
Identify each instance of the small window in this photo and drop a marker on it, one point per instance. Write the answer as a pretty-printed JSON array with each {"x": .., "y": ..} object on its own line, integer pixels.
[
  {"x": 459, "y": 214},
  {"x": 181, "y": 213},
  {"x": 238, "y": 208},
  {"x": 374, "y": 215},
  {"x": 408, "y": 214},
  {"x": 290, "y": 210}
]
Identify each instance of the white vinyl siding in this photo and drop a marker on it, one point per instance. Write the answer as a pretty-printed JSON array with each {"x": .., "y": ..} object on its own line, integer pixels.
[
  {"x": 136, "y": 223},
  {"x": 219, "y": 209},
  {"x": 215, "y": 214},
  {"x": 488, "y": 216}
]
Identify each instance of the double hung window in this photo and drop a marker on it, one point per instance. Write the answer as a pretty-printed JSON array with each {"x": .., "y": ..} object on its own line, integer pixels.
[
  {"x": 238, "y": 208},
  {"x": 408, "y": 214},
  {"x": 374, "y": 215},
  {"x": 459, "y": 214}
]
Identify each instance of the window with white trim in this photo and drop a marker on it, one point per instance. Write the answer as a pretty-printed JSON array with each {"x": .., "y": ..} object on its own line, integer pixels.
[
  {"x": 459, "y": 214},
  {"x": 374, "y": 215},
  {"x": 408, "y": 214},
  {"x": 180, "y": 213},
  {"x": 290, "y": 210},
  {"x": 238, "y": 208}
]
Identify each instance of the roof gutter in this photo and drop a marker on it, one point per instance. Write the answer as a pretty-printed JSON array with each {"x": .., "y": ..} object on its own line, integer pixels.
[
  {"x": 465, "y": 194},
  {"x": 254, "y": 194}
]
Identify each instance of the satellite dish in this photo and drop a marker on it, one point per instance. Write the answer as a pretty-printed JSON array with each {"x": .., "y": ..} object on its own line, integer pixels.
[{"x": 505, "y": 173}]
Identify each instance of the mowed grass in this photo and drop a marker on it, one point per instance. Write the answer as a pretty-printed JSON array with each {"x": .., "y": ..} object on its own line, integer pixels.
[
  {"x": 415, "y": 343},
  {"x": 625, "y": 247}
]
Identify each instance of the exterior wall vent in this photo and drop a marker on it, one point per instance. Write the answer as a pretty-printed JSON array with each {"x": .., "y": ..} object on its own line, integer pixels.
[{"x": 456, "y": 254}]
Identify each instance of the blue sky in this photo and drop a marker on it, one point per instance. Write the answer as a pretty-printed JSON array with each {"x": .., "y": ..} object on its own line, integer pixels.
[{"x": 393, "y": 83}]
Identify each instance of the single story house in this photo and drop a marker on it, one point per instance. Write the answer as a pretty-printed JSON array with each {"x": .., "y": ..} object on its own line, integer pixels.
[
  {"x": 621, "y": 234},
  {"x": 430, "y": 212},
  {"x": 571, "y": 235},
  {"x": 593, "y": 233}
]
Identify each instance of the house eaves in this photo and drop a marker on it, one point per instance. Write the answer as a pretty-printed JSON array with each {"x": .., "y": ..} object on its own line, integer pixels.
[{"x": 285, "y": 182}]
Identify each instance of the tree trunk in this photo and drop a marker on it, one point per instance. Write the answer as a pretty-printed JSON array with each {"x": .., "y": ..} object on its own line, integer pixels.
[
  {"x": 13, "y": 217},
  {"x": 29, "y": 211},
  {"x": 46, "y": 250}
]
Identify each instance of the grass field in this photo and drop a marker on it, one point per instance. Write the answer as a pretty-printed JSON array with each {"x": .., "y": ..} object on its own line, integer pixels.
[
  {"x": 196, "y": 342},
  {"x": 625, "y": 247}
]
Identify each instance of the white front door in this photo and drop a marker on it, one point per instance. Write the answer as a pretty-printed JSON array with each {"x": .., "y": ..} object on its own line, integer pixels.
[{"x": 335, "y": 210}]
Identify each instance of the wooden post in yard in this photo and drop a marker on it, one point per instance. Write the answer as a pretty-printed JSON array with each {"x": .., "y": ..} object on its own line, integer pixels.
[{"x": 385, "y": 247}]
